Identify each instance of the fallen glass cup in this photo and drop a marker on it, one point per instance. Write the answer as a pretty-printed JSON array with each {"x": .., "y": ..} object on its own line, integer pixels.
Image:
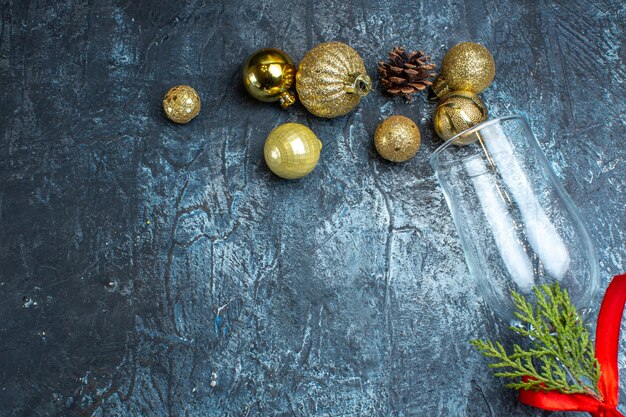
[{"x": 518, "y": 226}]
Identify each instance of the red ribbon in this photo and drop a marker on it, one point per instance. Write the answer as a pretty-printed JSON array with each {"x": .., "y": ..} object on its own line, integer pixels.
[{"x": 607, "y": 344}]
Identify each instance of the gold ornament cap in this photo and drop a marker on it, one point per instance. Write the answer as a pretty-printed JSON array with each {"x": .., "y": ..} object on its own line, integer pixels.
[
  {"x": 457, "y": 112},
  {"x": 268, "y": 75},
  {"x": 397, "y": 138},
  {"x": 181, "y": 104},
  {"x": 292, "y": 151},
  {"x": 467, "y": 66},
  {"x": 332, "y": 79}
]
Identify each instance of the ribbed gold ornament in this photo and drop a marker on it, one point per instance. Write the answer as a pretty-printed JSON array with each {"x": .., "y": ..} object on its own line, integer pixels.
[
  {"x": 456, "y": 112},
  {"x": 467, "y": 66},
  {"x": 268, "y": 75},
  {"x": 292, "y": 150},
  {"x": 181, "y": 104},
  {"x": 397, "y": 138},
  {"x": 331, "y": 80}
]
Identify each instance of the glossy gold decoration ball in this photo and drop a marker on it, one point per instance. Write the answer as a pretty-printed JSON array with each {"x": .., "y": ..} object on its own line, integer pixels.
[
  {"x": 181, "y": 104},
  {"x": 292, "y": 151},
  {"x": 268, "y": 75},
  {"x": 456, "y": 112},
  {"x": 331, "y": 80},
  {"x": 467, "y": 66},
  {"x": 397, "y": 138}
]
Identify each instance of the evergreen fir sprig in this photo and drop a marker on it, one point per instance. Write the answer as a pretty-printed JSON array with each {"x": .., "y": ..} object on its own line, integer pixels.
[{"x": 561, "y": 357}]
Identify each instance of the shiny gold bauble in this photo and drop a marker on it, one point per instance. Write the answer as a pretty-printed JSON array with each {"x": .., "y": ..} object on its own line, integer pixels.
[
  {"x": 457, "y": 112},
  {"x": 268, "y": 75},
  {"x": 397, "y": 138},
  {"x": 181, "y": 104},
  {"x": 467, "y": 66},
  {"x": 292, "y": 150},
  {"x": 331, "y": 80}
]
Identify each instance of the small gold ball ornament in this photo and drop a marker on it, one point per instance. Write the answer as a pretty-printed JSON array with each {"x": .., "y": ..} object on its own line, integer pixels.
[
  {"x": 268, "y": 75},
  {"x": 397, "y": 138},
  {"x": 457, "y": 112},
  {"x": 332, "y": 79},
  {"x": 292, "y": 151},
  {"x": 467, "y": 66},
  {"x": 181, "y": 104}
]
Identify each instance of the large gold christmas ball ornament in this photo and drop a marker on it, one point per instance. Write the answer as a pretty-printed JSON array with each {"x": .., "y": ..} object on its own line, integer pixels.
[
  {"x": 292, "y": 151},
  {"x": 181, "y": 104},
  {"x": 268, "y": 75},
  {"x": 467, "y": 66},
  {"x": 457, "y": 112},
  {"x": 331, "y": 80},
  {"x": 397, "y": 138}
]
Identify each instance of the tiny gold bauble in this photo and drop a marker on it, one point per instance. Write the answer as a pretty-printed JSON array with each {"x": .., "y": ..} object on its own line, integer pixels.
[
  {"x": 467, "y": 66},
  {"x": 181, "y": 104},
  {"x": 331, "y": 80},
  {"x": 457, "y": 112},
  {"x": 292, "y": 150},
  {"x": 397, "y": 138},
  {"x": 268, "y": 75}
]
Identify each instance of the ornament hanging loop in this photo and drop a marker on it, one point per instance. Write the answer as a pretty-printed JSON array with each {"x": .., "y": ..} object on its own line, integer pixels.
[
  {"x": 287, "y": 99},
  {"x": 440, "y": 87},
  {"x": 360, "y": 84}
]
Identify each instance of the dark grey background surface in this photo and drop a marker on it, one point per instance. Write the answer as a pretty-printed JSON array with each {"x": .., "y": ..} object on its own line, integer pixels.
[{"x": 150, "y": 269}]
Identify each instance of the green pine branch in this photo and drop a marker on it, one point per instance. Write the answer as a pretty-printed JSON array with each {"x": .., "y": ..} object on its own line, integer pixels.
[{"x": 562, "y": 356}]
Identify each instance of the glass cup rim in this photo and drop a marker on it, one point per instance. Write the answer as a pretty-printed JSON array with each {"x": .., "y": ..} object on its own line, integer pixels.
[{"x": 437, "y": 152}]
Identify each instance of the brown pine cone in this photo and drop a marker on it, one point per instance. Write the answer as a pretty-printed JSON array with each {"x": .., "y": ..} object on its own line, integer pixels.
[{"x": 406, "y": 74}]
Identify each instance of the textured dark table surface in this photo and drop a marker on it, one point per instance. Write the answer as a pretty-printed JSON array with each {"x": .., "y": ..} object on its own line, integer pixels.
[{"x": 151, "y": 269}]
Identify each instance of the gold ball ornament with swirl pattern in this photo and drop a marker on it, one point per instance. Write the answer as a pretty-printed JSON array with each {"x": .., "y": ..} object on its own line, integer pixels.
[
  {"x": 457, "y": 112},
  {"x": 181, "y": 104},
  {"x": 268, "y": 75},
  {"x": 467, "y": 66},
  {"x": 292, "y": 150},
  {"x": 331, "y": 80}
]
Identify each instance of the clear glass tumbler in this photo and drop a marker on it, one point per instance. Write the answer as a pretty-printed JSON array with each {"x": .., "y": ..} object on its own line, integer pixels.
[{"x": 518, "y": 226}]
